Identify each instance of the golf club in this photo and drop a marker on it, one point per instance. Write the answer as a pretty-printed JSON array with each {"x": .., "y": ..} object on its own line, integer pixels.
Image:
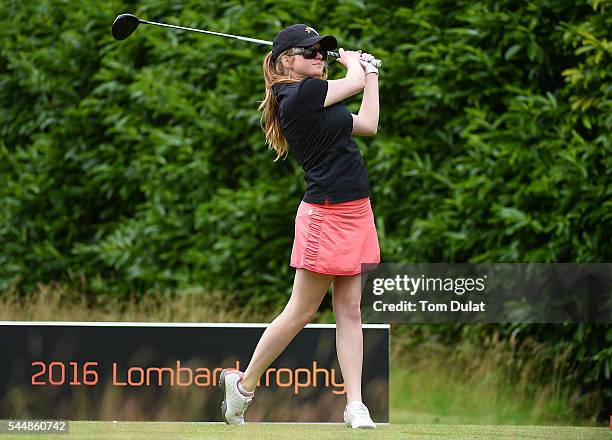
[{"x": 125, "y": 25}]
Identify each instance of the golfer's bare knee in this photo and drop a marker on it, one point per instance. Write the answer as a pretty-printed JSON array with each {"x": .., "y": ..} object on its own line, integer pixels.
[
  {"x": 308, "y": 316},
  {"x": 350, "y": 311},
  {"x": 304, "y": 319},
  {"x": 300, "y": 317}
]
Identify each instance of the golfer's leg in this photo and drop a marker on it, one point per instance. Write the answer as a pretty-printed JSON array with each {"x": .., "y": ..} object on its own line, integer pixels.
[
  {"x": 346, "y": 301},
  {"x": 309, "y": 288}
]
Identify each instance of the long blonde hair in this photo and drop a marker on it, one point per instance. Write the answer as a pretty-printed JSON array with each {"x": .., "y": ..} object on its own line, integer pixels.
[{"x": 270, "y": 121}]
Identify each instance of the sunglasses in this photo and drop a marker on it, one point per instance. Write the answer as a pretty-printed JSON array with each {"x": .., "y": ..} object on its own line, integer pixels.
[{"x": 310, "y": 52}]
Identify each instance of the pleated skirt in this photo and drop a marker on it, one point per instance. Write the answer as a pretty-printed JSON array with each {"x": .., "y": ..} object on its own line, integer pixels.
[{"x": 336, "y": 239}]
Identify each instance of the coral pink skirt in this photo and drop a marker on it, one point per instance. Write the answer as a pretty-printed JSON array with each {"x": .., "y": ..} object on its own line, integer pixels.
[{"x": 335, "y": 238}]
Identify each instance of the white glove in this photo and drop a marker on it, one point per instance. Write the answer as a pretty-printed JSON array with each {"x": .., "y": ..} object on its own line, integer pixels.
[{"x": 365, "y": 63}]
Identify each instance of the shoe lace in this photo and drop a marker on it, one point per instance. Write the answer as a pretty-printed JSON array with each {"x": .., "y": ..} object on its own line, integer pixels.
[
  {"x": 245, "y": 403},
  {"x": 361, "y": 410}
]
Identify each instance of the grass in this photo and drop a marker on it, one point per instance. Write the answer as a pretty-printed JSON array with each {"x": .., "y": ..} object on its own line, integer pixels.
[
  {"x": 55, "y": 303},
  {"x": 461, "y": 384},
  {"x": 264, "y": 431},
  {"x": 430, "y": 384},
  {"x": 432, "y": 396}
]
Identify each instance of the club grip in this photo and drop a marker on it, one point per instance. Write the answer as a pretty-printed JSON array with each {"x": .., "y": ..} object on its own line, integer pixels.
[{"x": 336, "y": 55}]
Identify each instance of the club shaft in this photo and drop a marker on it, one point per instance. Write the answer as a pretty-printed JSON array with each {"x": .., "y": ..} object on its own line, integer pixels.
[
  {"x": 252, "y": 40},
  {"x": 331, "y": 54}
]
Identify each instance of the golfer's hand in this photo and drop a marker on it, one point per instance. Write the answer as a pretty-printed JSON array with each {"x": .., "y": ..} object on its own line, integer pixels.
[
  {"x": 365, "y": 60},
  {"x": 348, "y": 57}
]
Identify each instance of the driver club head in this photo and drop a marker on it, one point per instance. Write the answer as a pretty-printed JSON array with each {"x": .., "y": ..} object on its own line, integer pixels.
[{"x": 124, "y": 26}]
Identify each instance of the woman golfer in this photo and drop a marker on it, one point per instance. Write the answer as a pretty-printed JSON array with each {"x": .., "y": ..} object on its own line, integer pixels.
[{"x": 334, "y": 224}]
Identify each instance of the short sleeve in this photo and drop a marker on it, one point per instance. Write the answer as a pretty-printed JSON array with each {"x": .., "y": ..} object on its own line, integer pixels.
[{"x": 312, "y": 92}]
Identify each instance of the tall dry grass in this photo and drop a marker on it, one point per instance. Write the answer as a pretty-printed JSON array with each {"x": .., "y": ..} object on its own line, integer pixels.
[
  {"x": 496, "y": 381},
  {"x": 58, "y": 303}
]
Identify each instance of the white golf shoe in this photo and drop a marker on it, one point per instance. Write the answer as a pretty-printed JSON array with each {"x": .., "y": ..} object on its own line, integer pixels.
[
  {"x": 356, "y": 415},
  {"x": 234, "y": 402}
]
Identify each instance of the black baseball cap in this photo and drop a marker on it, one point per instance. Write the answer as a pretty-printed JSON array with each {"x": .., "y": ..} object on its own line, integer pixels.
[{"x": 300, "y": 35}]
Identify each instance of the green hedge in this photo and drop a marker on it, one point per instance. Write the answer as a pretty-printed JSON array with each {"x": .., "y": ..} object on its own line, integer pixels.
[
  {"x": 143, "y": 162},
  {"x": 127, "y": 166}
]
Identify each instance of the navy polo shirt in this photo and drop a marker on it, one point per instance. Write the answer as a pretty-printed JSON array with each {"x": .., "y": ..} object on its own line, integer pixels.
[{"x": 320, "y": 138}]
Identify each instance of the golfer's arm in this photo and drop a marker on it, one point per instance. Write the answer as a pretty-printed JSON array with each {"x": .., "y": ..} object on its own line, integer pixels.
[
  {"x": 340, "y": 89},
  {"x": 365, "y": 123}
]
